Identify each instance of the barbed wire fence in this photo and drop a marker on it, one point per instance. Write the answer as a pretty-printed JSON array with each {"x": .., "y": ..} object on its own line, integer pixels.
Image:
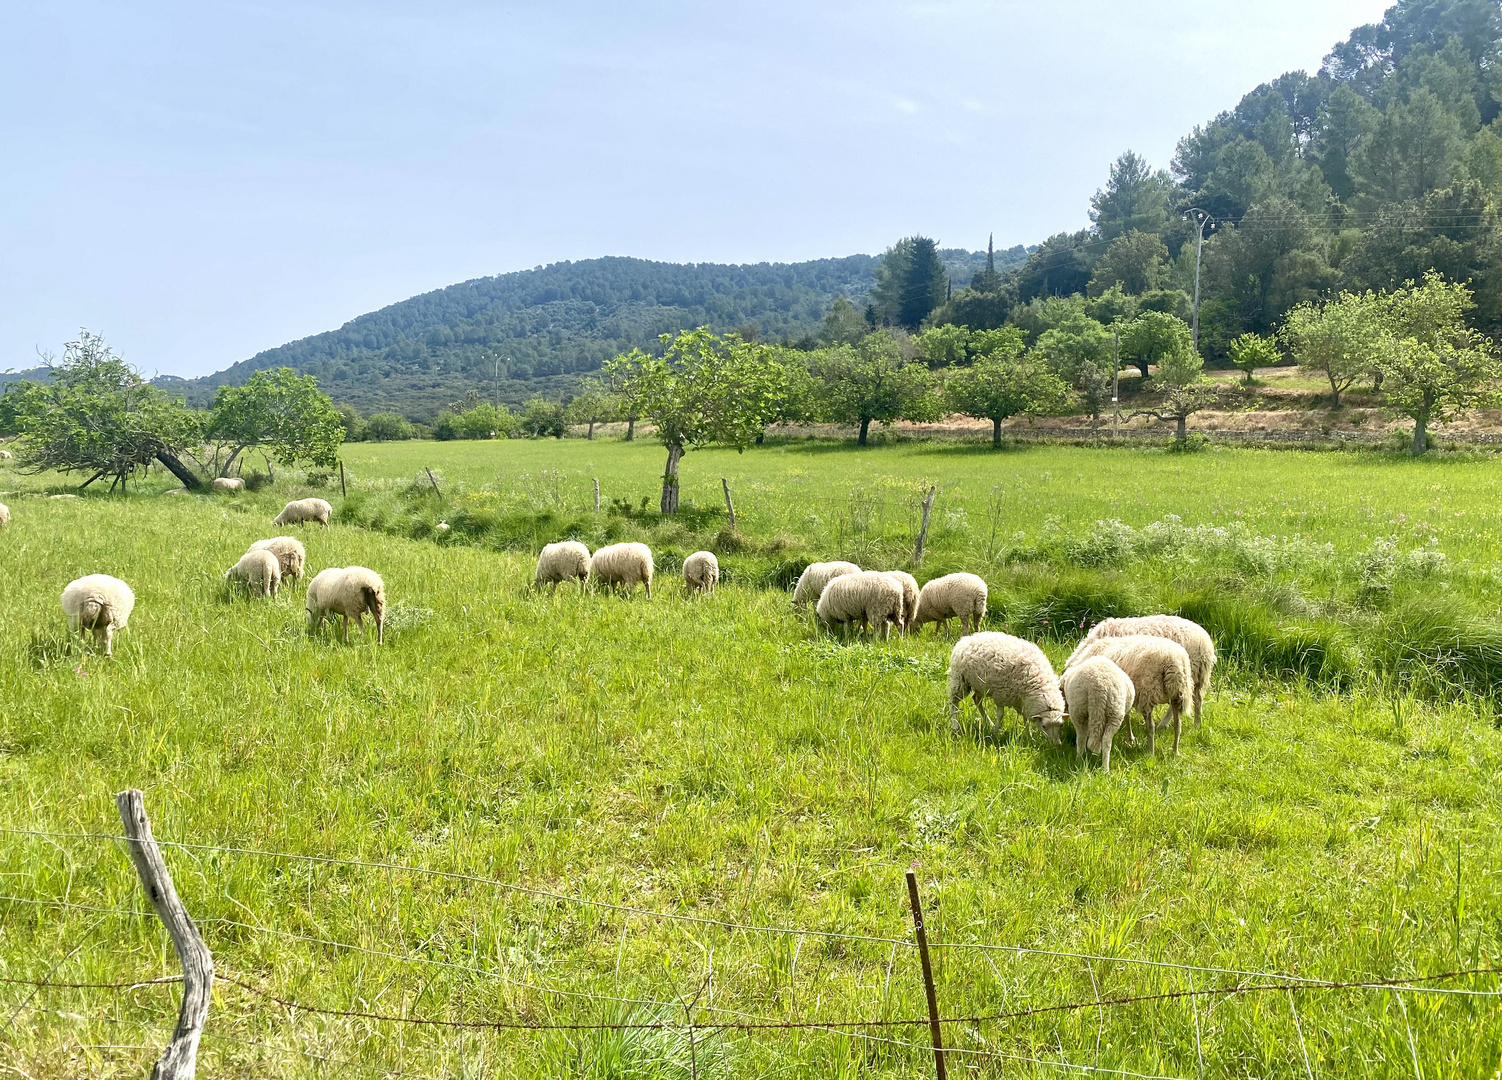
[{"x": 199, "y": 973}]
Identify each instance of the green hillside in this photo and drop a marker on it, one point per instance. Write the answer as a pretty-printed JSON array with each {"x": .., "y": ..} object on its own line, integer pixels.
[{"x": 533, "y": 331}]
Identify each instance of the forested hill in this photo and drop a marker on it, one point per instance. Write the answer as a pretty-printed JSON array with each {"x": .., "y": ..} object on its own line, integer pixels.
[{"x": 545, "y": 325}]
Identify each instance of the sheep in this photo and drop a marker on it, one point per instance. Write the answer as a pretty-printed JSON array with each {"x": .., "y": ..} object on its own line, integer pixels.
[
  {"x": 4, "y": 515},
  {"x": 99, "y": 603},
  {"x": 289, "y": 552},
  {"x": 701, "y": 572},
  {"x": 1189, "y": 634},
  {"x": 228, "y": 483},
  {"x": 867, "y": 597},
  {"x": 950, "y": 596},
  {"x": 625, "y": 565},
  {"x": 909, "y": 596},
  {"x": 299, "y": 510},
  {"x": 349, "y": 592},
  {"x": 567, "y": 560},
  {"x": 6, "y": 455},
  {"x": 1098, "y": 698},
  {"x": 813, "y": 579},
  {"x": 1012, "y": 672},
  {"x": 259, "y": 570},
  {"x": 1160, "y": 672}
]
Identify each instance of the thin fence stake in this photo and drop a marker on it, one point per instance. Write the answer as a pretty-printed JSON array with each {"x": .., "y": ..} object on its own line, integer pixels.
[
  {"x": 934, "y": 1027},
  {"x": 597, "y": 494},
  {"x": 729, "y": 506},
  {"x": 342, "y": 489},
  {"x": 928, "y": 505},
  {"x": 432, "y": 481},
  {"x": 179, "y": 1061}
]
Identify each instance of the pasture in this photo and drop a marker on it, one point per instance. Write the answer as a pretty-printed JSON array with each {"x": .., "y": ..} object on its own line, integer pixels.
[{"x": 718, "y": 758}]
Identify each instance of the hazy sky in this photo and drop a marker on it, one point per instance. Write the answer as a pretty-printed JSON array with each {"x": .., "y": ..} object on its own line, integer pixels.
[{"x": 201, "y": 181}]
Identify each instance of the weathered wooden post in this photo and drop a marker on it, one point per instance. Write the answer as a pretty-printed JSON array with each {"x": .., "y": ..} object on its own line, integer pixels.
[
  {"x": 343, "y": 491},
  {"x": 432, "y": 481},
  {"x": 934, "y": 1027},
  {"x": 597, "y": 494},
  {"x": 729, "y": 506},
  {"x": 928, "y": 505},
  {"x": 179, "y": 1061}
]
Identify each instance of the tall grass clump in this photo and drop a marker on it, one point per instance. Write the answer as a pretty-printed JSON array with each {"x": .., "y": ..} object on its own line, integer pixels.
[
  {"x": 1437, "y": 647},
  {"x": 1247, "y": 632}
]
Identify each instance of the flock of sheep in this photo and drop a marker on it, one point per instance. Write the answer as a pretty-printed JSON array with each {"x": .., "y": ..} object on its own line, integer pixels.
[
  {"x": 1123, "y": 665},
  {"x": 101, "y": 604}
]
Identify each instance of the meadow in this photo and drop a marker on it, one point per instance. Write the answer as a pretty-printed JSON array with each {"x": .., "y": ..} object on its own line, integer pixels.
[{"x": 708, "y": 772}]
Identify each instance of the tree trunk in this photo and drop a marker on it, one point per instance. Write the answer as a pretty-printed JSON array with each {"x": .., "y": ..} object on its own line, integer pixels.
[
  {"x": 995, "y": 433},
  {"x": 1181, "y": 432},
  {"x": 630, "y": 428},
  {"x": 670, "y": 480},
  {"x": 1377, "y": 381},
  {"x": 1334, "y": 394},
  {"x": 591, "y": 433},
  {"x": 174, "y": 465},
  {"x": 1142, "y": 367},
  {"x": 1420, "y": 435},
  {"x": 865, "y": 427}
]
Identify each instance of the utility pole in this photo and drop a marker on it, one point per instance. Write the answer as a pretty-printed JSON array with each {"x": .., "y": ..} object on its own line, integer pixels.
[{"x": 1201, "y": 218}]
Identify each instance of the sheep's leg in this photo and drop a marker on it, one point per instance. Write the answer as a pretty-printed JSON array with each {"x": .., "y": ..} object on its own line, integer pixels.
[
  {"x": 648, "y": 584},
  {"x": 345, "y": 620},
  {"x": 108, "y": 633},
  {"x": 954, "y": 711},
  {"x": 380, "y": 630},
  {"x": 1105, "y": 748},
  {"x": 1199, "y": 703},
  {"x": 1178, "y": 727},
  {"x": 1152, "y": 730}
]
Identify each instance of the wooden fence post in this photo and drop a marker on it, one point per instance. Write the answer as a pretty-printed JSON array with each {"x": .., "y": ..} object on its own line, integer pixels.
[
  {"x": 343, "y": 491},
  {"x": 729, "y": 506},
  {"x": 928, "y": 972},
  {"x": 597, "y": 494},
  {"x": 179, "y": 1061},
  {"x": 432, "y": 481},
  {"x": 928, "y": 505}
]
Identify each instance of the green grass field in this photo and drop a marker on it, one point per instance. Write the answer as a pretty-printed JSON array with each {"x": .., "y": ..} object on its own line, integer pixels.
[{"x": 718, "y": 758}]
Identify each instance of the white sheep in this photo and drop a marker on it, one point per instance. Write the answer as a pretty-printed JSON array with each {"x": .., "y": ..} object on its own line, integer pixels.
[
  {"x": 6, "y": 455},
  {"x": 1160, "y": 672},
  {"x": 229, "y": 483},
  {"x": 961, "y": 596},
  {"x": 1187, "y": 633},
  {"x": 99, "y": 603},
  {"x": 258, "y": 571},
  {"x": 4, "y": 515},
  {"x": 567, "y": 560},
  {"x": 1098, "y": 697},
  {"x": 349, "y": 592},
  {"x": 299, "y": 510},
  {"x": 909, "y": 596},
  {"x": 701, "y": 572},
  {"x": 1012, "y": 672},
  {"x": 867, "y": 597},
  {"x": 624, "y": 565},
  {"x": 813, "y": 579},
  {"x": 291, "y": 556}
]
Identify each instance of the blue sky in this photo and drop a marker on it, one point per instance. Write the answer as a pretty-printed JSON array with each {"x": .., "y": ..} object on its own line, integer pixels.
[{"x": 201, "y": 181}]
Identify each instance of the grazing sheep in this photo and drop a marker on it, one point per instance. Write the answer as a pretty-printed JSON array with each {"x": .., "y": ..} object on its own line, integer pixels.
[
  {"x": 1189, "y": 634},
  {"x": 701, "y": 572},
  {"x": 259, "y": 571},
  {"x": 867, "y": 597},
  {"x": 351, "y": 592},
  {"x": 299, "y": 510},
  {"x": 961, "y": 596},
  {"x": 567, "y": 560},
  {"x": 229, "y": 483},
  {"x": 1160, "y": 672},
  {"x": 99, "y": 603},
  {"x": 4, "y": 515},
  {"x": 289, "y": 552},
  {"x": 813, "y": 579},
  {"x": 624, "y": 565},
  {"x": 1010, "y": 671},
  {"x": 6, "y": 455},
  {"x": 909, "y": 596},
  {"x": 1098, "y": 697}
]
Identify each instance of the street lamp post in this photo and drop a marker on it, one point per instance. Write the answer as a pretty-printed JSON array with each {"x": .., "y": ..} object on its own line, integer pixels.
[{"x": 1201, "y": 218}]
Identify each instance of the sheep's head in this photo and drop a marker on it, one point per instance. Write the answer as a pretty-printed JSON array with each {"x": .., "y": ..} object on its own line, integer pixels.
[{"x": 1052, "y": 726}]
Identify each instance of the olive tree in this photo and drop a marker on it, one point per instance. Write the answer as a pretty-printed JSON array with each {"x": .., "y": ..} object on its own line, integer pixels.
[
  {"x": 1435, "y": 366},
  {"x": 95, "y": 413},
  {"x": 871, "y": 381},
  {"x": 1340, "y": 339},
  {"x": 704, "y": 390},
  {"x": 1005, "y": 383}
]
